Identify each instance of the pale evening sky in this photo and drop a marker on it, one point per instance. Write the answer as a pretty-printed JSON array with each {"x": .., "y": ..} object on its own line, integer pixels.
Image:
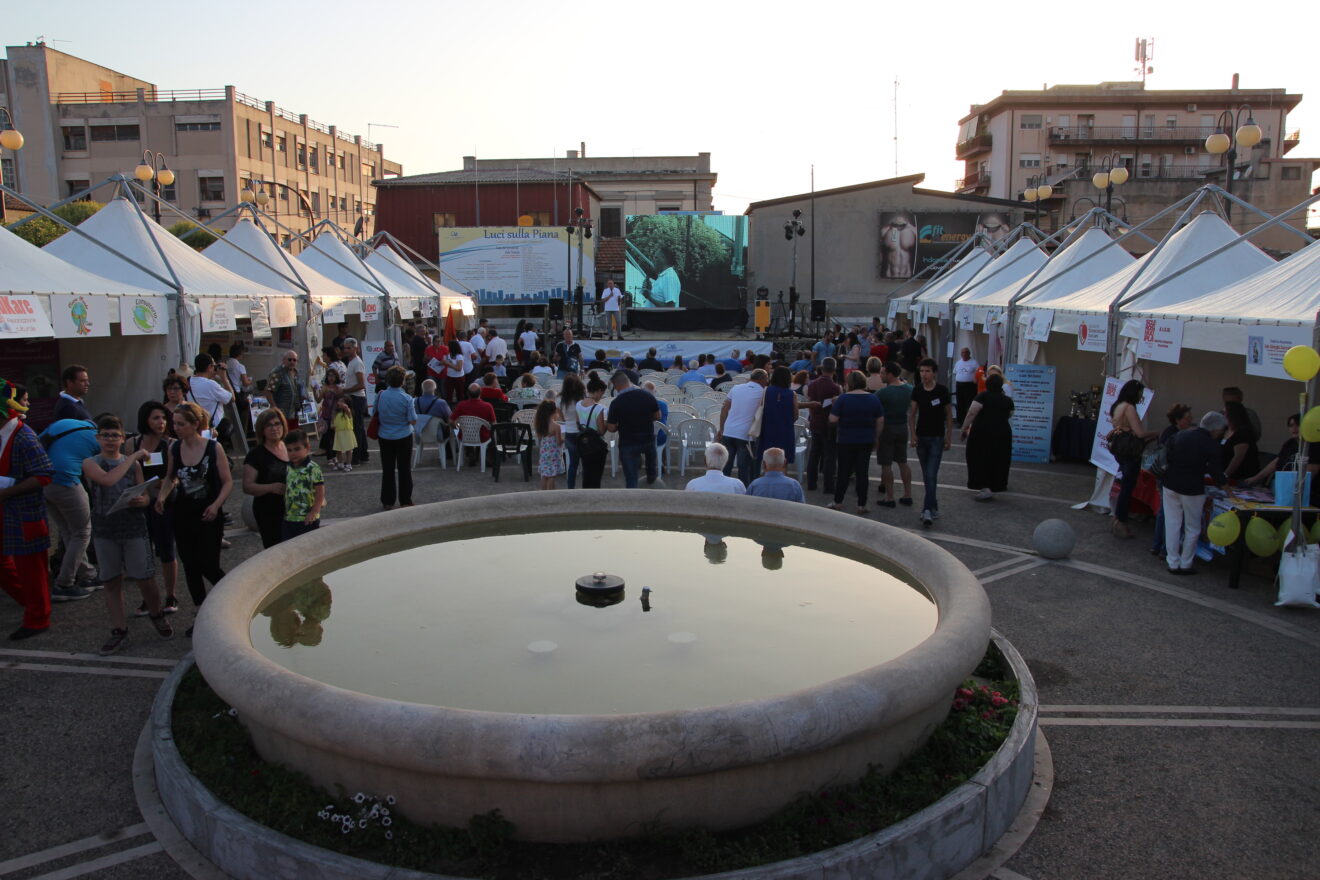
[{"x": 768, "y": 88}]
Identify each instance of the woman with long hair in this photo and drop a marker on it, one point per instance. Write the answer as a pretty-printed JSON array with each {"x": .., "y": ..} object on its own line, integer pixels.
[
  {"x": 1241, "y": 458},
  {"x": 455, "y": 388},
  {"x": 263, "y": 475},
  {"x": 1126, "y": 421},
  {"x": 571, "y": 394},
  {"x": 874, "y": 380},
  {"x": 154, "y": 437},
  {"x": 591, "y": 414}
]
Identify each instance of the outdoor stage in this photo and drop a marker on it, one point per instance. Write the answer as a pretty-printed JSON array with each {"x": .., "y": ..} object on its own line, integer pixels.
[{"x": 687, "y": 320}]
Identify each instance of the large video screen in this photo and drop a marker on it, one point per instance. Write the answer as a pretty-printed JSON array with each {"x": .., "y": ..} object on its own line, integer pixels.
[
  {"x": 690, "y": 261},
  {"x": 912, "y": 242}
]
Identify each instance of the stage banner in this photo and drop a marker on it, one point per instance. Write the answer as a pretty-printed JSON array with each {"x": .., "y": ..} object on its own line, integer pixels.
[
  {"x": 1100, "y": 455},
  {"x": 1266, "y": 347},
  {"x": 217, "y": 314},
  {"x": 513, "y": 265},
  {"x": 143, "y": 316},
  {"x": 1160, "y": 340},
  {"x": 910, "y": 243},
  {"x": 283, "y": 311},
  {"x": 1033, "y": 410},
  {"x": 691, "y": 260},
  {"x": 79, "y": 316},
  {"x": 1093, "y": 334},
  {"x": 22, "y": 317}
]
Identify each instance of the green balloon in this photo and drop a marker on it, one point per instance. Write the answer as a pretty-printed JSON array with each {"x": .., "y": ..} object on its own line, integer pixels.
[
  {"x": 1224, "y": 529},
  {"x": 1283, "y": 531},
  {"x": 1310, "y": 428},
  {"x": 1261, "y": 537},
  {"x": 1314, "y": 534}
]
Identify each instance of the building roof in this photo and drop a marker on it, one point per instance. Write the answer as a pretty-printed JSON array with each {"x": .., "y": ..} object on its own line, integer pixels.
[
  {"x": 484, "y": 175},
  {"x": 880, "y": 184},
  {"x": 1128, "y": 94}
]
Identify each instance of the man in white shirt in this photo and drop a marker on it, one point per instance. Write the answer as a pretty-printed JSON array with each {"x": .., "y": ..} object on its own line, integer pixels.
[
  {"x": 469, "y": 357},
  {"x": 527, "y": 344},
  {"x": 479, "y": 343},
  {"x": 355, "y": 386},
  {"x": 496, "y": 347},
  {"x": 736, "y": 428},
  {"x": 210, "y": 395},
  {"x": 964, "y": 382},
  {"x": 714, "y": 480},
  {"x": 239, "y": 380},
  {"x": 612, "y": 298}
]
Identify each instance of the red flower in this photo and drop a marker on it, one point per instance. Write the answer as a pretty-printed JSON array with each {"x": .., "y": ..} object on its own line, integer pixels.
[
  {"x": 959, "y": 705},
  {"x": 997, "y": 700},
  {"x": 988, "y": 715},
  {"x": 965, "y": 693}
]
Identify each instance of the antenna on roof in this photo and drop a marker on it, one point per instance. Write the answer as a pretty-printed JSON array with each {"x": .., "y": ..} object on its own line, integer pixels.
[
  {"x": 1144, "y": 55},
  {"x": 896, "y": 126}
]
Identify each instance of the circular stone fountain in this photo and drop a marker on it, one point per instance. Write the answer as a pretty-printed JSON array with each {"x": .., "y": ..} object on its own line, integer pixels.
[{"x": 460, "y": 673}]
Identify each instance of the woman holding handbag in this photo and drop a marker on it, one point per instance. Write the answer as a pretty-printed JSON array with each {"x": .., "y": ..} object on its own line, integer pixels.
[{"x": 1127, "y": 441}]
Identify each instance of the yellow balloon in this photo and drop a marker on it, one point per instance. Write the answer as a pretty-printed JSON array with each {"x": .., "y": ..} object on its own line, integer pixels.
[
  {"x": 1310, "y": 427},
  {"x": 1224, "y": 529},
  {"x": 1313, "y": 536},
  {"x": 1283, "y": 531},
  {"x": 1261, "y": 537},
  {"x": 1301, "y": 362}
]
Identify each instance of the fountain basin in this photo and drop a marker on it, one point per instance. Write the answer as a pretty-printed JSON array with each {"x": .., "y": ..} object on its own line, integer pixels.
[{"x": 561, "y": 777}]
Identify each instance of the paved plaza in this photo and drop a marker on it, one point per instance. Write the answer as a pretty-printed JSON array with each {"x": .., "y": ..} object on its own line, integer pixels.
[{"x": 1182, "y": 718}]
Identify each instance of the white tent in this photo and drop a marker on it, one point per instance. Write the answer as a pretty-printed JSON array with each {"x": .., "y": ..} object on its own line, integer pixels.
[
  {"x": 29, "y": 269},
  {"x": 994, "y": 287},
  {"x": 942, "y": 289},
  {"x": 393, "y": 266},
  {"x": 331, "y": 258}
]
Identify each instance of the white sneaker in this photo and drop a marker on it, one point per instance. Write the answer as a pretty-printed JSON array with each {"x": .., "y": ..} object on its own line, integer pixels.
[
  {"x": 984, "y": 495},
  {"x": 926, "y": 518}
]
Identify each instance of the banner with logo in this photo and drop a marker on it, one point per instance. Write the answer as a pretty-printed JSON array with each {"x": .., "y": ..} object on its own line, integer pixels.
[
  {"x": 370, "y": 309},
  {"x": 283, "y": 311},
  {"x": 79, "y": 316},
  {"x": 22, "y": 317},
  {"x": 217, "y": 314},
  {"x": 1266, "y": 347},
  {"x": 514, "y": 265},
  {"x": 1039, "y": 322},
  {"x": 1160, "y": 340},
  {"x": 1101, "y": 457},
  {"x": 143, "y": 316},
  {"x": 1093, "y": 334}
]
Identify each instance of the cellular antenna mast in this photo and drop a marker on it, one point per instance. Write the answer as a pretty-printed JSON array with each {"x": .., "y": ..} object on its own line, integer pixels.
[
  {"x": 1145, "y": 54},
  {"x": 896, "y": 126}
]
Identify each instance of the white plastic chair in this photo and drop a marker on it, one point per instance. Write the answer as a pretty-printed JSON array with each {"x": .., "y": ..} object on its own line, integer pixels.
[
  {"x": 469, "y": 435},
  {"x": 525, "y": 416},
  {"x": 693, "y": 435},
  {"x": 800, "y": 438},
  {"x": 432, "y": 434},
  {"x": 684, "y": 408},
  {"x": 544, "y": 379}
]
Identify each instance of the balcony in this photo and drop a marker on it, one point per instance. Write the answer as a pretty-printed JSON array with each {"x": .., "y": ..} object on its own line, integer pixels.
[
  {"x": 972, "y": 182},
  {"x": 972, "y": 146},
  {"x": 1092, "y": 134},
  {"x": 1141, "y": 173}
]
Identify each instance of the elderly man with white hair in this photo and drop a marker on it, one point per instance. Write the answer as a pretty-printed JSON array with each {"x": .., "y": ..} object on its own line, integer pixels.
[
  {"x": 693, "y": 374},
  {"x": 775, "y": 481},
  {"x": 714, "y": 480}
]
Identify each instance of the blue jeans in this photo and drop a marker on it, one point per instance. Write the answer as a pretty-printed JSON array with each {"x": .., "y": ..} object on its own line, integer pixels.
[
  {"x": 570, "y": 443},
  {"x": 930, "y": 452},
  {"x": 630, "y": 458},
  {"x": 740, "y": 453}
]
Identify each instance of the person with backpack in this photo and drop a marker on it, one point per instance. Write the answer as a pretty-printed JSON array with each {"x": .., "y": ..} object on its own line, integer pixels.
[
  {"x": 592, "y": 448},
  {"x": 67, "y": 442}
]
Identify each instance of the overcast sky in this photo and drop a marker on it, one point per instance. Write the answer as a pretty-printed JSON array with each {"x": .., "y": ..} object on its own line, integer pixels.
[{"x": 768, "y": 88}]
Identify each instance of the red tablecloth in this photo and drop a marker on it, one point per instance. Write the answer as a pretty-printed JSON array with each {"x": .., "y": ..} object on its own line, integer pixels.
[{"x": 1145, "y": 498}]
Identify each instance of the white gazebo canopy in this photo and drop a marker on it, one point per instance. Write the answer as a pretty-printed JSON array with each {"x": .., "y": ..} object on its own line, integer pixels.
[
  {"x": 266, "y": 264},
  {"x": 29, "y": 269},
  {"x": 942, "y": 289},
  {"x": 995, "y": 286},
  {"x": 331, "y": 258}
]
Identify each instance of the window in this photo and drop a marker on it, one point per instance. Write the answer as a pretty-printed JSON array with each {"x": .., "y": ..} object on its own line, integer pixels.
[
  {"x": 343, "y": 203},
  {"x": 316, "y": 201},
  {"x": 7, "y": 173},
  {"x": 314, "y": 159},
  {"x": 1148, "y": 125},
  {"x": 301, "y": 146},
  {"x": 267, "y": 140},
  {"x": 343, "y": 160},
  {"x": 1029, "y": 160},
  {"x": 1129, "y": 125},
  {"x": 282, "y": 144},
  {"x": 284, "y": 193},
  {"x": 369, "y": 170},
  {"x": 75, "y": 138},
  {"x": 211, "y": 189},
  {"x": 1171, "y": 121},
  {"x": 1064, "y": 120},
  {"x": 73, "y": 187},
  {"x": 1030, "y": 120},
  {"x": 663, "y": 208},
  {"x": 1147, "y": 160},
  {"x": 303, "y": 202},
  {"x": 115, "y": 133},
  {"x": 446, "y": 221},
  {"x": 1082, "y": 160},
  {"x": 170, "y": 193},
  {"x": 611, "y": 222},
  {"x": 197, "y": 126},
  {"x": 1290, "y": 172}
]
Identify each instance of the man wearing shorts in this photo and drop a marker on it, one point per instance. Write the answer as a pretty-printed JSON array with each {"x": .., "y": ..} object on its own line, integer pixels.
[{"x": 896, "y": 397}]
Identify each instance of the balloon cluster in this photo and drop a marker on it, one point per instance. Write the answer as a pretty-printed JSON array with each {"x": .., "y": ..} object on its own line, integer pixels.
[
  {"x": 1302, "y": 362},
  {"x": 1263, "y": 539}
]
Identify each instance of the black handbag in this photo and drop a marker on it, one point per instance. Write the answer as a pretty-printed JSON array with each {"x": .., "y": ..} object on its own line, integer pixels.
[{"x": 1125, "y": 444}]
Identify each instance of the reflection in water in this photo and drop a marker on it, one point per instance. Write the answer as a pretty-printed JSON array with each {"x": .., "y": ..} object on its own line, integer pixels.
[
  {"x": 766, "y": 622},
  {"x": 296, "y": 616}
]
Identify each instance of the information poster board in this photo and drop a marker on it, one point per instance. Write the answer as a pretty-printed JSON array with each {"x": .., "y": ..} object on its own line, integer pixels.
[
  {"x": 1100, "y": 455},
  {"x": 1039, "y": 323},
  {"x": 1160, "y": 340},
  {"x": 143, "y": 316},
  {"x": 78, "y": 316},
  {"x": 1266, "y": 347},
  {"x": 1093, "y": 334},
  {"x": 1033, "y": 410},
  {"x": 514, "y": 265}
]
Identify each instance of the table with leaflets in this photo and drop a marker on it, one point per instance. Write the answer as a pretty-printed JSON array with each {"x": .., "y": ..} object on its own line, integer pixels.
[{"x": 1246, "y": 502}]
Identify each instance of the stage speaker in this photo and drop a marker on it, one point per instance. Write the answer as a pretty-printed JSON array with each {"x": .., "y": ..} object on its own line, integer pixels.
[
  {"x": 818, "y": 310},
  {"x": 556, "y": 312}
]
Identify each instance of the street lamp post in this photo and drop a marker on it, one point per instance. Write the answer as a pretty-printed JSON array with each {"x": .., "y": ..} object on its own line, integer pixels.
[
  {"x": 1036, "y": 191},
  {"x": 793, "y": 230},
  {"x": 581, "y": 226},
  {"x": 154, "y": 169},
  {"x": 1246, "y": 134},
  {"x": 10, "y": 139},
  {"x": 1109, "y": 176}
]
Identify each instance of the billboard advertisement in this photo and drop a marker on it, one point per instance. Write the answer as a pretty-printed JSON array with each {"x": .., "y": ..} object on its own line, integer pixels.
[
  {"x": 911, "y": 242},
  {"x": 516, "y": 265},
  {"x": 689, "y": 260}
]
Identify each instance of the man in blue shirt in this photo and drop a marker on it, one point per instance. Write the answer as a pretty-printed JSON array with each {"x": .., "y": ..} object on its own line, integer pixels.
[
  {"x": 732, "y": 364},
  {"x": 69, "y": 405},
  {"x": 802, "y": 363},
  {"x": 823, "y": 349},
  {"x": 68, "y": 442},
  {"x": 633, "y": 413},
  {"x": 775, "y": 481},
  {"x": 693, "y": 374}
]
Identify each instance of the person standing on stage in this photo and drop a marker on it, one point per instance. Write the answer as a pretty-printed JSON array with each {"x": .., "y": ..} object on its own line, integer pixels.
[{"x": 612, "y": 299}]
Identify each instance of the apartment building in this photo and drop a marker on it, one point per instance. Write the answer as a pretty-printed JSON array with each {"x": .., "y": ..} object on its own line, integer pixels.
[
  {"x": 1062, "y": 134},
  {"x": 83, "y": 122}
]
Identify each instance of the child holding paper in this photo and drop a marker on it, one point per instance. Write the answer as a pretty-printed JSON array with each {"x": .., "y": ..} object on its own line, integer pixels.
[{"x": 123, "y": 547}]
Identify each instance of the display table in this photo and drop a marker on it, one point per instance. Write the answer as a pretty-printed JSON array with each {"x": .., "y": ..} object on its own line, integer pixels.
[
  {"x": 1072, "y": 439},
  {"x": 1245, "y": 506}
]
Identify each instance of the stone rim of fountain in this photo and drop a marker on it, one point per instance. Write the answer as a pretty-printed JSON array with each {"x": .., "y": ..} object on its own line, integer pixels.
[{"x": 623, "y": 749}]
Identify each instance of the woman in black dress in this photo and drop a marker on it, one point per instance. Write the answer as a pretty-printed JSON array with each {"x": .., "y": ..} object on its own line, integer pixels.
[
  {"x": 989, "y": 440},
  {"x": 263, "y": 475},
  {"x": 1240, "y": 457}
]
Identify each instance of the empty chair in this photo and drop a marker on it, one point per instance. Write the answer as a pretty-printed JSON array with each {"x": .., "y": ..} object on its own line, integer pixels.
[
  {"x": 800, "y": 438},
  {"x": 544, "y": 379},
  {"x": 525, "y": 416},
  {"x": 685, "y": 409},
  {"x": 469, "y": 435},
  {"x": 512, "y": 438},
  {"x": 693, "y": 435},
  {"x": 503, "y": 411}
]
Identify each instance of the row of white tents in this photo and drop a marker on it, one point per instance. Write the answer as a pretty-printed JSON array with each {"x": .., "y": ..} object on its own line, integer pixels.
[
  {"x": 119, "y": 267},
  {"x": 1203, "y": 309}
]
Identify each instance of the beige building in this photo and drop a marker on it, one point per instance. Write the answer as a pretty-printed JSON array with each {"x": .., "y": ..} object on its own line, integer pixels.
[
  {"x": 82, "y": 123},
  {"x": 1063, "y": 134},
  {"x": 627, "y": 185}
]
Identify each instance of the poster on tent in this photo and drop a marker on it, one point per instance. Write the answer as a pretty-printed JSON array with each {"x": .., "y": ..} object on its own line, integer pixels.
[
  {"x": 428, "y": 308},
  {"x": 370, "y": 309},
  {"x": 407, "y": 306},
  {"x": 1093, "y": 334},
  {"x": 1160, "y": 340},
  {"x": 993, "y": 316},
  {"x": 259, "y": 315},
  {"x": 966, "y": 318},
  {"x": 892, "y": 315},
  {"x": 22, "y": 317},
  {"x": 217, "y": 315},
  {"x": 1266, "y": 347},
  {"x": 371, "y": 349},
  {"x": 1033, "y": 410},
  {"x": 283, "y": 311},
  {"x": 143, "y": 316},
  {"x": 76, "y": 316},
  {"x": 333, "y": 314},
  {"x": 1039, "y": 322},
  {"x": 1100, "y": 455}
]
